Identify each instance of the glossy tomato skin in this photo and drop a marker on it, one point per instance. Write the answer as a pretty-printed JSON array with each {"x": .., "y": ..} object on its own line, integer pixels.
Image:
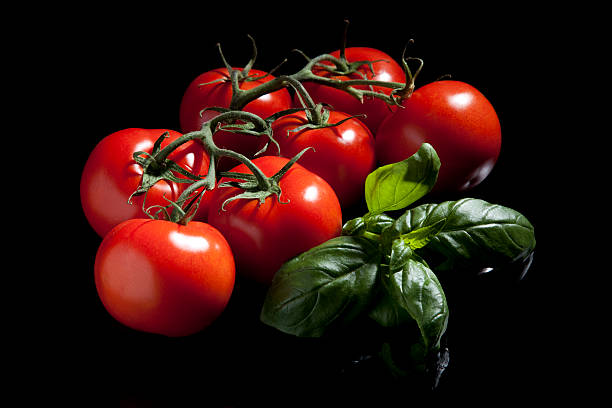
[
  {"x": 376, "y": 110},
  {"x": 264, "y": 236},
  {"x": 111, "y": 175},
  {"x": 457, "y": 120},
  {"x": 219, "y": 94},
  {"x": 160, "y": 277},
  {"x": 343, "y": 155}
]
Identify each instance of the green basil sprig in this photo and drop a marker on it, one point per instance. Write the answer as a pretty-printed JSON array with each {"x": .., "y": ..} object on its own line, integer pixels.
[{"x": 378, "y": 267}]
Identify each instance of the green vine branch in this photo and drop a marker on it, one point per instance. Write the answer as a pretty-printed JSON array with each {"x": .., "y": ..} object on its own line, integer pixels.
[
  {"x": 157, "y": 166},
  {"x": 256, "y": 185}
]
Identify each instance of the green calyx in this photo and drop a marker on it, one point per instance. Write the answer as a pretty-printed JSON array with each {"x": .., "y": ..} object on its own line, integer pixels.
[
  {"x": 157, "y": 167},
  {"x": 342, "y": 66},
  {"x": 407, "y": 90},
  {"x": 316, "y": 114},
  {"x": 252, "y": 187},
  {"x": 240, "y": 75}
]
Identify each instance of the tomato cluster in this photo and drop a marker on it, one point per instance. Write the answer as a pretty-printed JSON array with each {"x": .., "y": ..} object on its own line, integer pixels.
[{"x": 158, "y": 275}]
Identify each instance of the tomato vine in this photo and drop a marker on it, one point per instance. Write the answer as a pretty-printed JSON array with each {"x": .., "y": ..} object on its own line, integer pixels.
[
  {"x": 375, "y": 265},
  {"x": 236, "y": 120}
]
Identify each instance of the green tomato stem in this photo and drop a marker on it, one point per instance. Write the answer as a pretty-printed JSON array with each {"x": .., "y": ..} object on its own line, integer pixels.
[
  {"x": 208, "y": 129},
  {"x": 241, "y": 97},
  {"x": 205, "y": 135}
]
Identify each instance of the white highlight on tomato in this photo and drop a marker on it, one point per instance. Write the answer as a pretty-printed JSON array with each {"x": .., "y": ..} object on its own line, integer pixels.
[
  {"x": 189, "y": 161},
  {"x": 348, "y": 135},
  {"x": 384, "y": 76},
  {"x": 144, "y": 146},
  {"x": 265, "y": 97},
  {"x": 311, "y": 193},
  {"x": 189, "y": 242},
  {"x": 461, "y": 100}
]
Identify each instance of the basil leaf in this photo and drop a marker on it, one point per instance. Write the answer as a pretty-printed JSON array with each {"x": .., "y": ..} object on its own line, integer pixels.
[
  {"x": 416, "y": 289},
  {"x": 396, "y": 186},
  {"x": 354, "y": 226},
  {"x": 374, "y": 223},
  {"x": 401, "y": 252},
  {"x": 387, "y": 312},
  {"x": 473, "y": 232},
  {"x": 420, "y": 237},
  {"x": 328, "y": 285}
]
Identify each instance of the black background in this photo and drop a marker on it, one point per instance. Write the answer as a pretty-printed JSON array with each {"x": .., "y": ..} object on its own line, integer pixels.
[{"x": 113, "y": 68}]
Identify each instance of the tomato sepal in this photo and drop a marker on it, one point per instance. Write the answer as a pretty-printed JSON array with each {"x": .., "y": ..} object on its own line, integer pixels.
[
  {"x": 252, "y": 186},
  {"x": 156, "y": 167}
]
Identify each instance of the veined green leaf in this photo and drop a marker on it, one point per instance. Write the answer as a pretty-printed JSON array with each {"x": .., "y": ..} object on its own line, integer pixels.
[
  {"x": 372, "y": 223},
  {"x": 396, "y": 186},
  {"x": 326, "y": 286},
  {"x": 420, "y": 237},
  {"x": 416, "y": 289},
  {"x": 472, "y": 232}
]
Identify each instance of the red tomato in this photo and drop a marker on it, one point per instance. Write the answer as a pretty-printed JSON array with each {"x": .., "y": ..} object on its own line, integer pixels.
[
  {"x": 111, "y": 175},
  {"x": 264, "y": 236},
  {"x": 376, "y": 110},
  {"x": 457, "y": 120},
  {"x": 219, "y": 94},
  {"x": 343, "y": 155},
  {"x": 161, "y": 277}
]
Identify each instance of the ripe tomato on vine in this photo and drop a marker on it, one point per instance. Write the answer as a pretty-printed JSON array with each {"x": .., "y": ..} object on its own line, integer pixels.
[
  {"x": 111, "y": 175},
  {"x": 343, "y": 150},
  {"x": 160, "y": 277},
  {"x": 264, "y": 235},
  {"x": 457, "y": 120},
  {"x": 214, "y": 89}
]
